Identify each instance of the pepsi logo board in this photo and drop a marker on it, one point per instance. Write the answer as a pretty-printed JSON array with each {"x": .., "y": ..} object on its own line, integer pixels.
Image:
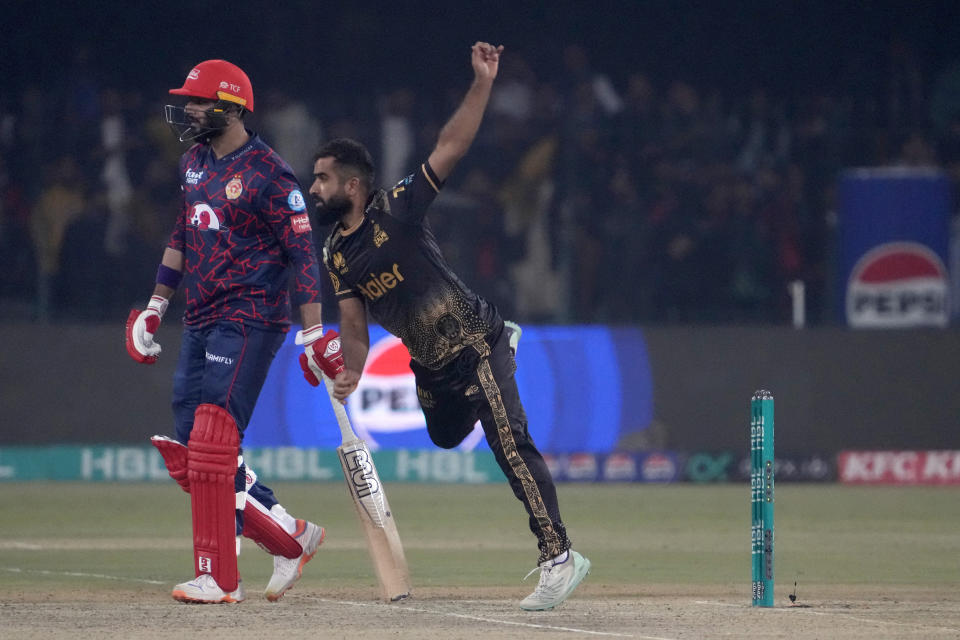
[
  {"x": 386, "y": 399},
  {"x": 385, "y": 410},
  {"x": 898, "y": 285},
  {"x": 893, "y": 240}
]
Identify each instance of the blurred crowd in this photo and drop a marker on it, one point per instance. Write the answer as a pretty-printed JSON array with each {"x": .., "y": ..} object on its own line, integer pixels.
[{"x": 591, "y": 195}]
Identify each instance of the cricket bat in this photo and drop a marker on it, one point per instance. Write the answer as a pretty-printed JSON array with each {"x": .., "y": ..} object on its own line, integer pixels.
[{"x": 370, "y": 502}]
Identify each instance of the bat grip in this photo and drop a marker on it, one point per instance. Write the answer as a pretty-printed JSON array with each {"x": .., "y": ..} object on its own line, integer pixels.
[{"x": 346, "y": 431}]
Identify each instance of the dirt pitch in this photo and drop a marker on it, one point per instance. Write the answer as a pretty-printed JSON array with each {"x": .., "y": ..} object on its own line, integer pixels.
[
  {"x": 668, "y": 562},
  {"x": 648, "y": 612}
]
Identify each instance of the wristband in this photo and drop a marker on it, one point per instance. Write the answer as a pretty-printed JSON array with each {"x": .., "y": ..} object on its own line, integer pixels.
[
  {"x": 309, "y": 334},
  {"x": 158, "y": 304},
  {"x": 168, "y": 276}
]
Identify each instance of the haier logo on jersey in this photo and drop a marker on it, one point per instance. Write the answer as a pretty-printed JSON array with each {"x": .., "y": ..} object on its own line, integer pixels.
[
  {"x": 378, "y": 285},
  {"x": 896, "y": 285},
  {"x": 385, "y": 409},
  {"x": 202, "y": 216}
]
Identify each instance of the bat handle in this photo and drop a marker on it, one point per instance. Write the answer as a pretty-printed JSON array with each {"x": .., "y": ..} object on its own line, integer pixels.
[{"x": 346, "y": 431}]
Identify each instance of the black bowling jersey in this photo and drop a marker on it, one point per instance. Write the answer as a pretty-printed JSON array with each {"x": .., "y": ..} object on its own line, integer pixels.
[{"x": 393, "y": 264}]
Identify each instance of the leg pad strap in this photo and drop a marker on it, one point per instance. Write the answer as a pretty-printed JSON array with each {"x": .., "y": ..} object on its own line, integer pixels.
[
  {"x": 175, "y": 457},
  {"x": 258, "y": 524}
]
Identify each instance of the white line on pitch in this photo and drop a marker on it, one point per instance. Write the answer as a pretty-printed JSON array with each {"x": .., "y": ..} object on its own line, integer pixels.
[
  {"x": 844, "y": 614},
  {"x": 78, "y": 574},
  {"x": 16, "y": 544},
  {"x": 493, "y": 620}
]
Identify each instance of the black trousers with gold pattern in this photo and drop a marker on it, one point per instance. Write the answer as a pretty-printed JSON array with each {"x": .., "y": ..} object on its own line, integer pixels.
[{"x": 480, "y": 385}]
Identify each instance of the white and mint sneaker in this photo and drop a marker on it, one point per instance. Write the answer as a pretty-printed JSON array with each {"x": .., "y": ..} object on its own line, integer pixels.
[
  {"x": 558, "y": 578},
  {"x": 286, "y": 571},
  {"x": 513, "y": 335},
  {"x": 204, "y": 590}
]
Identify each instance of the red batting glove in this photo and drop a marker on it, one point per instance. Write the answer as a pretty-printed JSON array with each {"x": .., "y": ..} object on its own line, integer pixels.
[{"x": 321, "y": 355}]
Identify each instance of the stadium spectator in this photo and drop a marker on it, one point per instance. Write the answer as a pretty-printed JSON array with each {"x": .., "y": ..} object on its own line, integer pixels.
[
  {"x": 63, "y": 198},
  {"x": 290, "y": 128},
  {"x": 566, "y": 124}
]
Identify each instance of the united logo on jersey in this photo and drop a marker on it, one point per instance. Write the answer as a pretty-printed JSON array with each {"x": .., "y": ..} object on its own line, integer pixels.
[
  {"x": 234, "y": 188},
  {"x": 203, "y": 216}
]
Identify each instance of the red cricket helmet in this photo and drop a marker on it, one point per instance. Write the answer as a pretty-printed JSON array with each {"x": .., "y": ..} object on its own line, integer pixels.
[{"x": 218, "y": 80}]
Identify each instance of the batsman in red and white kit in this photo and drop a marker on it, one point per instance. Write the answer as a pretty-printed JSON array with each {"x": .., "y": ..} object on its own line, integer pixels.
[{"x": 242, "y": 233}]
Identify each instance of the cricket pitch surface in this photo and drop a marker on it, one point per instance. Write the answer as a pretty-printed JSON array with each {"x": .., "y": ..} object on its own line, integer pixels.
[{"x": 98, "y": 560}]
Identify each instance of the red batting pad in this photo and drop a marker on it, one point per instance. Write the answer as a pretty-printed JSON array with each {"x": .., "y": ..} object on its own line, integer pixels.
[
  {"x": 212, "y": 470},
  {"x": 267, "y": 532},
  {"x": 175, "y": 457},
  {"x": 257, "y": 525}
]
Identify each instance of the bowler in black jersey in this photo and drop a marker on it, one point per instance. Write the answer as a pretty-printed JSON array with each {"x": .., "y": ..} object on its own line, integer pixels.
[{"x": 382, "y": 257}]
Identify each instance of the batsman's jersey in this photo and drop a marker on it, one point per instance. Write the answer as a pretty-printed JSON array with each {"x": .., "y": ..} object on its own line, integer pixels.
[
  {"x": 392, "y": 263},
  {"x": 243, "y": 229}
]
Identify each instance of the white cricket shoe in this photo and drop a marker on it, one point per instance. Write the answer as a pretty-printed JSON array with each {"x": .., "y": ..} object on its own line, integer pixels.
[
  {"x": 558, "y": 578},
  {"x": 513, "y": 335},
  {"x": 204, "y": 590},
  {"x": 286, "y": 571}
]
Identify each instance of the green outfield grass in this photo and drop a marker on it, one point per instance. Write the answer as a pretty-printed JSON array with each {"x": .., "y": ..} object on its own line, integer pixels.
[{"x": 119, "y": 536}]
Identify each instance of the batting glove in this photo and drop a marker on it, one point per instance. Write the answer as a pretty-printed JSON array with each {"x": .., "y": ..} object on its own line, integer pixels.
[
  {"x": 141, "y": 325},
  {"x": 321, "y": 355}
]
